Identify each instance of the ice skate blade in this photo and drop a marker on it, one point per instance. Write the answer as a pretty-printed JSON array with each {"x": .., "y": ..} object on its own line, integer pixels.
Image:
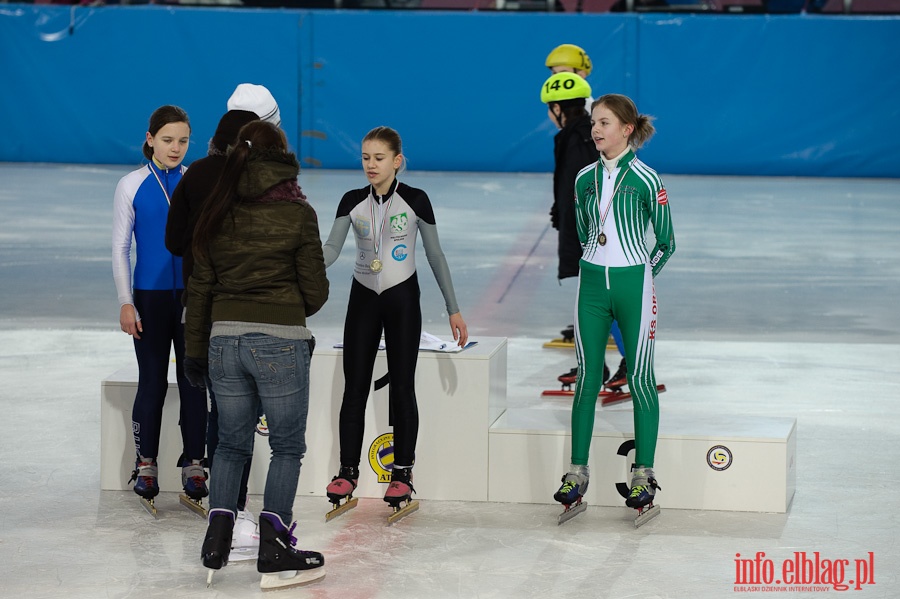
[
  {"x": 147, "y": 504},
  {"x": 209, "y": 578},
  {"x": 243, "y": 554},
  {"x": 571, "y": 512},
  {"x": 194, "y": 505},
  {"x": 402, "y": 512},
  {"x": 291, "y": 578},
  {"x": 648, "y": 514},
  {"x": 342, "y": 508},
  {"x": 560, "y": 343}
]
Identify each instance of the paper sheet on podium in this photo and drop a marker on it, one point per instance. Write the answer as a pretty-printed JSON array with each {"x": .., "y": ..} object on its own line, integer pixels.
[{"x": 428, "y": 342}]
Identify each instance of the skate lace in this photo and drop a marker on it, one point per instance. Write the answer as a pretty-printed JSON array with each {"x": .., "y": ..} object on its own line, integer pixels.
[
  {"x": 636, "y": 491},
  {"x": 148, "y": 479},
  {"x": 291, "y": 534},
  {"x": 568, "y": 485}
]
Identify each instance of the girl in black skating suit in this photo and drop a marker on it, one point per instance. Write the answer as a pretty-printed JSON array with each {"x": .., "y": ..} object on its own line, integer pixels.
[{"x": 386, "y": 217}]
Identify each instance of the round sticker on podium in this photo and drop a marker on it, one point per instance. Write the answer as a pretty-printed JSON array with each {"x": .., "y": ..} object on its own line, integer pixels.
[
  {"x": 381, "y": 456},
  {"x": 719, "y": 457}
]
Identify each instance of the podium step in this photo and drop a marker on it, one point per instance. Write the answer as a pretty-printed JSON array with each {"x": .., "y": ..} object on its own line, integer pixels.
[{"x": 703, "y": 461}]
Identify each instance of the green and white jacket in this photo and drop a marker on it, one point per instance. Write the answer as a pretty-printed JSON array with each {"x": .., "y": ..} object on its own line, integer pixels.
[{"x": 613, "y": 209}]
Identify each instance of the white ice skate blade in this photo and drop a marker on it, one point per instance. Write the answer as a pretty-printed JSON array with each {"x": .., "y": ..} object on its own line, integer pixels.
[
  {"x": 290, "y": 578},
  {"x": 647, "y": 515},
  {"x": 147, "y": 504},
  {"x": 403, "y": 512},
  {"x": 195, "y": 505},
  {"x": 243, "y": 554},
  {"x": 340, "y": 509},
  {"x": 209, "y": 578},
  {"x": 572, "y": 512}
]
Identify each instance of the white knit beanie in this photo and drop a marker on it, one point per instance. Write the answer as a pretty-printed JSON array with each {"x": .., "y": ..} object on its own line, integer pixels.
[{"x": 258, "y": 99}]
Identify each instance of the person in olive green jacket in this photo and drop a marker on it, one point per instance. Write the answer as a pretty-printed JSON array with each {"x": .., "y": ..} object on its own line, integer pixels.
[{"x": 258, "y": 273}]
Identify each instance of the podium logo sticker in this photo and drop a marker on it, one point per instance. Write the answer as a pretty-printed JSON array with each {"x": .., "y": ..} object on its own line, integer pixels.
[
  {"x": 381, "y": 456},
  {"x": 719, "y": 457}
]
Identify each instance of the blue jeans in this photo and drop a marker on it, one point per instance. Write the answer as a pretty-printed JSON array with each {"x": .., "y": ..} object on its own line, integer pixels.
[{"x": 248, "y": 372}]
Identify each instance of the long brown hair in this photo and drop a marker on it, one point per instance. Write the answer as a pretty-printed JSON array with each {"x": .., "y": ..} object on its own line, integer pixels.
[{"x": 254, "y": 136}]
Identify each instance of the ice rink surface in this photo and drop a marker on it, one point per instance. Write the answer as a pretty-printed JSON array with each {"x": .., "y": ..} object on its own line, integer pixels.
[{"x": 780, "y": 300}]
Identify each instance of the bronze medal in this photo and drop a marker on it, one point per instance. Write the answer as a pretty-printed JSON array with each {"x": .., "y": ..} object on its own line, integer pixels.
[
  {"x": 376, "y": 265},
  {"x": 601, "y": 239}
]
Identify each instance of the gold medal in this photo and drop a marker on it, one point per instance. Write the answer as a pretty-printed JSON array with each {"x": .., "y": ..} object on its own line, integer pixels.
[
  {"x": 376, "y": 265},
  {"x": 601, "y": 239}
]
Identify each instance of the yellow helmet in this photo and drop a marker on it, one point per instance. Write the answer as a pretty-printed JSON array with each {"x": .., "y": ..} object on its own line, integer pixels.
[
  {"x": 564, "y": 86},
  {"x": 569, "y": 55}
]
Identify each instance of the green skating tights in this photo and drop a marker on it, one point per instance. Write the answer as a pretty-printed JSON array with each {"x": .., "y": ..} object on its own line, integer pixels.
[{"x": 626, "y": 295}]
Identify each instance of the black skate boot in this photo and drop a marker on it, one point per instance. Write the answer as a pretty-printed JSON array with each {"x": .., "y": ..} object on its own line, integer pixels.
[
  {"x": 569, "y": 378},
  {"x": 642, "y": 493},
  {"x": 620, "y": 378},
  {"x": 571, "y": 493},
  {"x": 217, "y": 542},
  {"x": 568, "y": 333},
  {"x": 279, "y": 562}
]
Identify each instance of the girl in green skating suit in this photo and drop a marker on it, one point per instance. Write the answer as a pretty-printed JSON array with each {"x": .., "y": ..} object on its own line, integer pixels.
[{"x": 615, "y": 200}]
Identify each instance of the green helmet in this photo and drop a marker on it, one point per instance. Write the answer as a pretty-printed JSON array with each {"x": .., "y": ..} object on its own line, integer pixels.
[
  {"x": 569, "y": 55},
  {"x": 564, "y": 86}
]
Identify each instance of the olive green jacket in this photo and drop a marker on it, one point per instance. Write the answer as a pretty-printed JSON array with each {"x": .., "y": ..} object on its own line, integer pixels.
[{"x": 264, "y": 266}]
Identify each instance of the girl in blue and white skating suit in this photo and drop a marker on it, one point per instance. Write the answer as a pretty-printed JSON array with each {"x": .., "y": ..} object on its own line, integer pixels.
[{"x": 151, "y": 303}]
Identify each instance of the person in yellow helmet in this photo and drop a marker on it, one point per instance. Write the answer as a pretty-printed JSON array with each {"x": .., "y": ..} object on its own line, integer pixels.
[
  {"x": 569, "y": 58},
  {"x": 564, "y": 94}
]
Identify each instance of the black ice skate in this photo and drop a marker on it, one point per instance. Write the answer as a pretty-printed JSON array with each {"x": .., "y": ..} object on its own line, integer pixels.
[
  {"x": 217, "y": 543},
  {"x": 567, "y": 341},
  {"x": 280, "y": 563},
  {"x": 571, "y": 493},
  {"x": 400, "y": 490},
  {"x": 619, "y": 379},
  {"x": 571, "y": 377},
  {"x": 340, "y": 492},
  {"x": 642, "y": 494}
]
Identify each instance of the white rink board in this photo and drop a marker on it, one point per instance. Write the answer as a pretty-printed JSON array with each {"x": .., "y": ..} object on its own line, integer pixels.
[
  {"x": 459, "y": 396},
  {"x": 530, "y": 450}
]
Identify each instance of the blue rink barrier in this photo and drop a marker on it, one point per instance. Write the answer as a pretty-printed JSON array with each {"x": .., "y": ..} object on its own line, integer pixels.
[{"x": 796, "y": 95}]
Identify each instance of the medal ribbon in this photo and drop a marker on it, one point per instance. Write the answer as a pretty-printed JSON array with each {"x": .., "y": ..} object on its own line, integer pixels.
[
  {"x": 161, "y": 186},
  {"x": 603, "y": 213},
  {"x": 384, "y": 212}
]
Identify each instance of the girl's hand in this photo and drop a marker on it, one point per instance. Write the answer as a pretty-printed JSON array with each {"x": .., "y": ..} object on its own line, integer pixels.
[
  {"x": 129, "y": 322},
  {"x": 458, "y": 327}
]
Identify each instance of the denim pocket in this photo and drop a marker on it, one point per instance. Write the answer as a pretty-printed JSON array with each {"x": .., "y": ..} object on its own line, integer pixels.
[
  {"x": 216, "y": 369},
  {"x": 276, "y": 364}
]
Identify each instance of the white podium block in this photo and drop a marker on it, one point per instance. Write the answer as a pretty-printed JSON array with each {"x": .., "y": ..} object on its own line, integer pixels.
[
  {"x": 703, "y": 462},
  {"x": 459, "y": 396}
]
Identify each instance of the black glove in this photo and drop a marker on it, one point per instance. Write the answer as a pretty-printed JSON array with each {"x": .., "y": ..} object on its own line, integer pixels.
[
  {"x": 554, "y": 216},
  {"x": 196, "y": 370}
]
